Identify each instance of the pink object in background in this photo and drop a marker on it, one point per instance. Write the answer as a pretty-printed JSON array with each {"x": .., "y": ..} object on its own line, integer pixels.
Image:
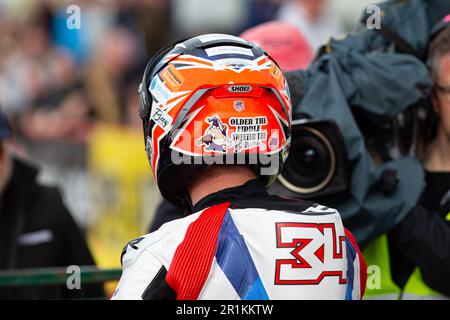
[{"x": 284, "y": 42}]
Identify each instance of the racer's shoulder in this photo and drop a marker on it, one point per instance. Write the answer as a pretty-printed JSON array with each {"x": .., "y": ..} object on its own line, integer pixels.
[
  {"x": 134, "y": 248},
  {"x": 276, "y": 203}
]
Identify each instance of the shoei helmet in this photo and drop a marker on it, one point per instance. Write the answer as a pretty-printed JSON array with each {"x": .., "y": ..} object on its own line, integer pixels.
[{"x": 213, "y": 99}]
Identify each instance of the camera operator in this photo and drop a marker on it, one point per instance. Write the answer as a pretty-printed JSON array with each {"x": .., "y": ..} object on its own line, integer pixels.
[
  {"x": 437, "y": 159},
  {"x": 418, "y": 255}
]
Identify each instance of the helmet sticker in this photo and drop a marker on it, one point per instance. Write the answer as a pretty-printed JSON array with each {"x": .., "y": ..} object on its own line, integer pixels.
[
  {"x": 240, "y": 88},
  {"x": 159, "y": 90},
  {"x": 276, "y": 72},
  {"x": 215, "y": 51},
  {"x": 218, "y": 36},
  {"x": 248, "y": 132},
  {"x": 172, "y": 77},
  {"x": 215, "y": 137},
  {"x": 235, "y": 64},
  {"x": 238, "y": 105},
  {"x": 161, "y": 118},
  {"x": 274, "y": 141}
]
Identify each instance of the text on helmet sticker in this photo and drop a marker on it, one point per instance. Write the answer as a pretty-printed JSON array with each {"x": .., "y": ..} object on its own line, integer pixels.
[
  {"x": 159, "y": 90},
  {"x": 248, "y": 133},
  {"x": 172, "y": 77},
  {"x": 161, "y": 118}
]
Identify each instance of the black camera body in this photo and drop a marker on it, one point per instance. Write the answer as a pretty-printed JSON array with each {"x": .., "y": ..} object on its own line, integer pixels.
[{"x": 317, "y": 164}]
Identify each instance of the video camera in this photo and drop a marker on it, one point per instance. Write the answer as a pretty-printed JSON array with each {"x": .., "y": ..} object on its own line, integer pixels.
[{"x": 318, "y": 165}]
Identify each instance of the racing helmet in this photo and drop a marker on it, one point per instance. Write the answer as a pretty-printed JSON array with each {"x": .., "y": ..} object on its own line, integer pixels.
[{"x": 213, "y": 99}]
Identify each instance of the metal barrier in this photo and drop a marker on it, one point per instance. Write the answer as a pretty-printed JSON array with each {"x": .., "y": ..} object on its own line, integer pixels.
[{"x": 55, "y": 276}]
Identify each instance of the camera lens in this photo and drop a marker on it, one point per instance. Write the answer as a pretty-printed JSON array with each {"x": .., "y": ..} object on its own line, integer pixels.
[
  {"x": 311, "y": 162},
  {"x": 307, "y": 155}
]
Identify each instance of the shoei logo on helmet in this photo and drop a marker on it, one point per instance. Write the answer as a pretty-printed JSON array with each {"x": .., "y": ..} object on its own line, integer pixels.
[{"x": 240, "y": 88}]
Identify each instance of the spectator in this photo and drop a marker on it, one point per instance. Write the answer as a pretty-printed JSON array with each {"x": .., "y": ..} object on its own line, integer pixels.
[
  {"x": 36, "y": 229},
  {"x": 107, "y": 76},
  {"x": 284, "y": 42},
  {"x": 313, "y": 19},
  {"x": 261, "y": 11}
]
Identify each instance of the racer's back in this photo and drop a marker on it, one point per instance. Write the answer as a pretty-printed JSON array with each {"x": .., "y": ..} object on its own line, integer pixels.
[{"x": 245, "y": 244}]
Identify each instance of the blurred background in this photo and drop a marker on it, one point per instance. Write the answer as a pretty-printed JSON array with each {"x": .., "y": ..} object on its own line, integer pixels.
[{"x": 69, "y": 73}]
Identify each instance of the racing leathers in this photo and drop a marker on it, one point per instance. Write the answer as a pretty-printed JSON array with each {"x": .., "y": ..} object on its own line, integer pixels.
[{"x": 242, "y": 243}]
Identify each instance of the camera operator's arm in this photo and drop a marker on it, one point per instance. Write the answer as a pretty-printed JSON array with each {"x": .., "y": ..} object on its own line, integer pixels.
[{"x": 424, "y": 239}]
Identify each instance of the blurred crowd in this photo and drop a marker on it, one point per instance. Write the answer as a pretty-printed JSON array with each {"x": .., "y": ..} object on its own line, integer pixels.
[{"x": 57, "y": 80}]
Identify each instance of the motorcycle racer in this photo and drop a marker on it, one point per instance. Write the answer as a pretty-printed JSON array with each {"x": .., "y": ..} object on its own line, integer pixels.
[{"x": 216, "y": 113}]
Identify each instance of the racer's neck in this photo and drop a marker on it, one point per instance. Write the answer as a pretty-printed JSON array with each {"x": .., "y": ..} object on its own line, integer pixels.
[{"x": 217, "y": 178}]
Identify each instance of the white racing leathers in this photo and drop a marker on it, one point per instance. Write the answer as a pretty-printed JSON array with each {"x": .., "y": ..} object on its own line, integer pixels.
[{"x": 259, "y": 248}]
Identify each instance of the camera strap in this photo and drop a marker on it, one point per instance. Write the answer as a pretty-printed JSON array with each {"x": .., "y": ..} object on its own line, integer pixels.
[{"x": 402, "y": 45}]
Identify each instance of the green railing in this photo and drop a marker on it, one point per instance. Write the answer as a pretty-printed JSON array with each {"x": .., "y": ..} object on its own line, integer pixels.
[
  {"x": 13, "y": 280},
  {"x": 51, "y": 276}
]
